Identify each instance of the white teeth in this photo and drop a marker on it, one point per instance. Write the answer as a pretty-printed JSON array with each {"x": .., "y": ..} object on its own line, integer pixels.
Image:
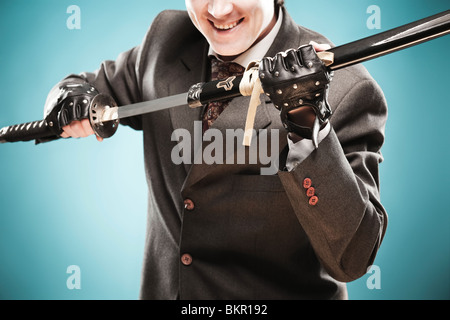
[{"x": 226, "y": 26}]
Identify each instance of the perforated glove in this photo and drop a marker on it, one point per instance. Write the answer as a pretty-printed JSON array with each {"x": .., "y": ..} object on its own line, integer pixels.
[
  {"x": 69, "y": 104},
  {"x": 297, "y": 79},
  {"x": 66, "y": 103}
]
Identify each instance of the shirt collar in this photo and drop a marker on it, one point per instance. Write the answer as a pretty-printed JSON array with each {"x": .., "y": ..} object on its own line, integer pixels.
[{"x": 258, "y": 51}]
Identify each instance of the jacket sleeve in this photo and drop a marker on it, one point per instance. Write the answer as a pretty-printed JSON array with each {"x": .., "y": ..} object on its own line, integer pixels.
[
  {"x": 347, "y": 223},
  {"x": 118, "y": 79}
]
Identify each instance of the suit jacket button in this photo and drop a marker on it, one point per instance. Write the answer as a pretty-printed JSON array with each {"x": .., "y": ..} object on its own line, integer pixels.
[
  {"x": 189, "y": 205},
  {"x": 310, "y": 192},
  {"x": 313, "y": 200},
  {"x": 307, "y": 183},
  {"x": 186, "y": 259}
]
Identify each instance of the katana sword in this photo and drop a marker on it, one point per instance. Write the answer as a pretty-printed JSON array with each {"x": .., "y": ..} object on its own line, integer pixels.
[{"x": 104, "y": 114}]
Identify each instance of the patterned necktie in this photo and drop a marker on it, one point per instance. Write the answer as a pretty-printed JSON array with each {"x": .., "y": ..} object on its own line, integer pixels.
[{"x": 220, "y": 70}]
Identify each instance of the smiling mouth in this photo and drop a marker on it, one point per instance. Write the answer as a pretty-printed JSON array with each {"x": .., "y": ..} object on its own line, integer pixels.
[{"x": 226, "y": 27}]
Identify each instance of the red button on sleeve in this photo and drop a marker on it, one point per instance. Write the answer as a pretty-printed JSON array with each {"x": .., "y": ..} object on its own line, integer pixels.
[
  {"x": 307, "y": 183},
  {"x": 313, "y": 200},
  {"x": 310, "y": 192}
]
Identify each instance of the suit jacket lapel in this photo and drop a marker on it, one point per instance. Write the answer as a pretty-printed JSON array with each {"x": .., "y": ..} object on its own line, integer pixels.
[
  {"x": 289, "y": 37},
  {"x": 190, "y": 70}
]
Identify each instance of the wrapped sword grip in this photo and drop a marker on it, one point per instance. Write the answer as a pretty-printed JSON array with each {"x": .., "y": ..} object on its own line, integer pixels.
[{"x": 26, "y": 131}]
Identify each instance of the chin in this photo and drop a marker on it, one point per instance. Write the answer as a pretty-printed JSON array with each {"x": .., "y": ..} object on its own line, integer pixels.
[{"x": 230, "y": 51}]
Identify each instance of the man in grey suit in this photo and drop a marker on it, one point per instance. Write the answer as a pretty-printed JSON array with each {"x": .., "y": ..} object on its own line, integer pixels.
[{"x": 224, "y": 230}]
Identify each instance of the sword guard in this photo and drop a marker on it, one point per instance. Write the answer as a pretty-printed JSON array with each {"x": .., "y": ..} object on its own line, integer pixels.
[{"x": 101, "y": 105}]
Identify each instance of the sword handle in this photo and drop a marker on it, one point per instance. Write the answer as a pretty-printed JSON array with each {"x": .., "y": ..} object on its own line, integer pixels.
[{"x": 26, "y": 132}]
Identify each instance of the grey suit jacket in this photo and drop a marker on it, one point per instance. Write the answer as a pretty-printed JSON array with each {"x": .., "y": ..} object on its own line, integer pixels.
[{"x": 250, "y": 236}]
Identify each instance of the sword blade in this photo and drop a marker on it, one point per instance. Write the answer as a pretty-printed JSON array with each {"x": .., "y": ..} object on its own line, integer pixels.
[{"x": 140, "y": 108}]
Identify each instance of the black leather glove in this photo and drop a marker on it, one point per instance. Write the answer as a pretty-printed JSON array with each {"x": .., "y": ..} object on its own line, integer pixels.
[
  {"x": 66, "y": 103},
  {"x": 297, "y": 79}
]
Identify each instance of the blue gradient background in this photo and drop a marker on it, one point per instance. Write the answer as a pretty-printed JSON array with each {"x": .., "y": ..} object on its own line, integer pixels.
[{"x": 79, "y": 202}]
